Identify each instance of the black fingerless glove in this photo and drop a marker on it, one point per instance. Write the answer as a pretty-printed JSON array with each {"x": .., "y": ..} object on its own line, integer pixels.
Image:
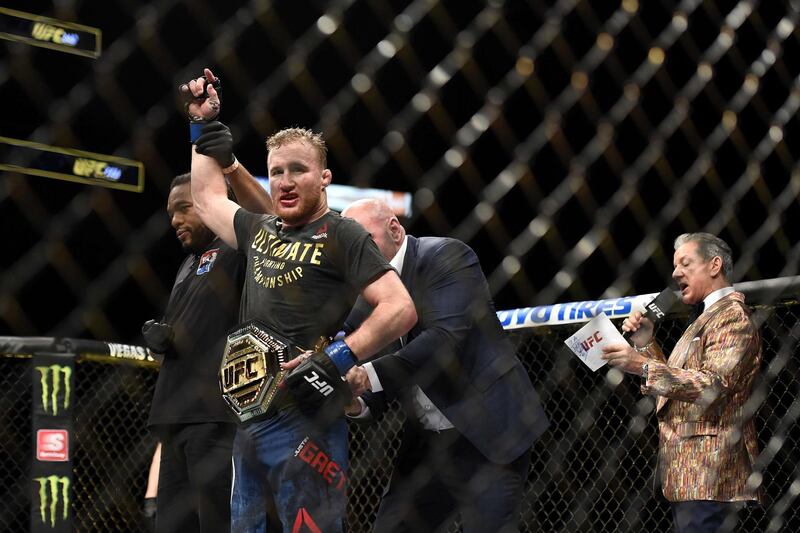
[
  {"x": 216, "y": 141},
  {"x": 316, "y": 383},
  {"x": 149, "y": 512},
  {"x": 157, "y": 336}
]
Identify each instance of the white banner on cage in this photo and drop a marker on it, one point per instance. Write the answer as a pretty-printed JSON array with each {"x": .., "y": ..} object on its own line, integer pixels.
[
  {"x": 572, "y": 312},
  {"x": 588, "y": 342}
]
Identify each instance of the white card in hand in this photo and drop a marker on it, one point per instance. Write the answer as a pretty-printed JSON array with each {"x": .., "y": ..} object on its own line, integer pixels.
[{"x": 587, "y": 343}]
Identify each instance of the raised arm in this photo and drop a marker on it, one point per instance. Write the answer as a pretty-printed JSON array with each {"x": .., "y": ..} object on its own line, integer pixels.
[
  {"x": 210, "y": 198},
  {"x": 249, "y": 192},
  {"x": 209, "y": 191},
  {"x": 216, "y": 141}
]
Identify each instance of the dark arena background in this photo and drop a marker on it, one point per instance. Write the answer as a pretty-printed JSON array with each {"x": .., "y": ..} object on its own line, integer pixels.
[{"x": 568, "y": 142}]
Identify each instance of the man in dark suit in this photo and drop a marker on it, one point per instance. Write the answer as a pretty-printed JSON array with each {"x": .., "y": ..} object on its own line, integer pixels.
[{"x": 472, "y": 412}]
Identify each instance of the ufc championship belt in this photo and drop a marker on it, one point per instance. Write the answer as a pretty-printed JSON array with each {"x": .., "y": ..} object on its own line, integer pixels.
[{"x": 250, "y": 374}]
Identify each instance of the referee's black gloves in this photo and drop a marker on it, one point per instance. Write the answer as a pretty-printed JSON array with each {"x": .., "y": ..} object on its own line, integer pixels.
[{"x": 157, "y": 336}]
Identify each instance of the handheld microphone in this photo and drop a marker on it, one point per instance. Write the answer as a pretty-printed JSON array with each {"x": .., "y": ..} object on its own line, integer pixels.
[{"x": 657, "y": 309}]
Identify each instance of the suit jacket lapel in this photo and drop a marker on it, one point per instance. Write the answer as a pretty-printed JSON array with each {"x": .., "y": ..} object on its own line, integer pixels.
[
  {"x": 678, "y": 356},
  {"x": 677, "y": 359},
  {"x": 407, "y": 275},
  {"x": 410, "y": 262}
]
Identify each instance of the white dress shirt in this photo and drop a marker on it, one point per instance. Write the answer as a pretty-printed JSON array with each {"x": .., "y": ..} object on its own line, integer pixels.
[{"x": 716, "y": 296}]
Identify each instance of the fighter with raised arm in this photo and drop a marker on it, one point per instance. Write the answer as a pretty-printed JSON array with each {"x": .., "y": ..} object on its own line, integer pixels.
[{"x": 305, "y": 268}]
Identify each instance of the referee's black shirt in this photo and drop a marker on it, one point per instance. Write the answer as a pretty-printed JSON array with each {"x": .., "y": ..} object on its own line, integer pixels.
[{"x": 202, "y": 308}]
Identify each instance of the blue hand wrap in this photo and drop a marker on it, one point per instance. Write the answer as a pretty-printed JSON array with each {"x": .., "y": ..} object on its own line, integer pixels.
[
  {"x": 341, "y": 355},
  {"x": 195, "y": 130}
]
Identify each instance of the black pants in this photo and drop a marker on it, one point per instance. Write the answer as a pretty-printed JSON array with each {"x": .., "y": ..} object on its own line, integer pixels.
[
  {"x": 439, "y": 474},
  {"x": 194, "y": 482},
  {"x": 703, "y": 516}
]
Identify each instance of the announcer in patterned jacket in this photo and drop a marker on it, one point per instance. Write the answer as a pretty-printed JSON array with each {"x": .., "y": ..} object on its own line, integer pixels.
[{"x": 707, "y": 440}]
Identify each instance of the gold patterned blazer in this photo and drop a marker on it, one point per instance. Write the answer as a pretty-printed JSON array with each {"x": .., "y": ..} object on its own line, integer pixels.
[{"x": 706, "y": 446}]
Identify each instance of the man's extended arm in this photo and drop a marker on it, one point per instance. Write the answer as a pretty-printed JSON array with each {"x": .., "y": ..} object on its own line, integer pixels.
[
  {"x": 210, "y": 198},
  {"x": 452, "y": 285},
  {"x": 217, "y": 141},
  {"x": 369, "y": 407},
  {"x": 730, "y": 351},
  {"x": 392, "y": 316},
  {"x": 249, "y": 192},
  {"x": 209, "y": 191}
]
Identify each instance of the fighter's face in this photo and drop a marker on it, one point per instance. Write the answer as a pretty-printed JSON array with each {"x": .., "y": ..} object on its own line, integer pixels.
[
  {"x": 692, "y": 273},
  {"x": 190, "y": 230},
  {"x": 297, "y": 183}
]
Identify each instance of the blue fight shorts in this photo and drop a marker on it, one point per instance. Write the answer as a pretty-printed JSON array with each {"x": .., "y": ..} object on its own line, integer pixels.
[{"x": 301, "y": 467}]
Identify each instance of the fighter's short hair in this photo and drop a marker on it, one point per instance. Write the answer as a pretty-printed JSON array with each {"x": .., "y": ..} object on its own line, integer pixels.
[
  {"x": 709, "y": 246},
  {"x": 290, "y": 135}
]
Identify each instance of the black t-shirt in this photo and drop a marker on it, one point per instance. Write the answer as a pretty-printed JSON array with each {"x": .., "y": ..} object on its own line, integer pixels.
[
  {"x": 202, "y": 308},
  {"x": 303, "y": 281}
]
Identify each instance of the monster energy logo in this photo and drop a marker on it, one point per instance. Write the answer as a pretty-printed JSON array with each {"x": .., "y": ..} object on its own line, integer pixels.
[
  {"x": 55, "y": 373},
  {"x": 49, "y": 496}
]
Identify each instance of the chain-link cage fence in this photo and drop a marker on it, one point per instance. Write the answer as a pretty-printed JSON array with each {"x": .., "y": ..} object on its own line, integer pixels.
[
  {"x": 111, "y": 446},
  {"x": 15, "y": 444},
  {"x": 114, "y": 447},
  {"x": 566, "y": 141},
  {"x": 592, "y": 471}
]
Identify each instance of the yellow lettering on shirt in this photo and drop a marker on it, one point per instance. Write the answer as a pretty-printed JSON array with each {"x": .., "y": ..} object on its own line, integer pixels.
[
  {"x": 271, "y": 255},
  {"x": 306, "y": 248},
  {"x": 259, "y": 240},
  {"x": 291, "y": 253},
  {"x": 281, "y": 279},
  {"x": 317, "y": 253}
]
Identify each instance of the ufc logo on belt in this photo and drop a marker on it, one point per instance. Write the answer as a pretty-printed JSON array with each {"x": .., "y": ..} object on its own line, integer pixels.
[{"x": 322, "y": 386}]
